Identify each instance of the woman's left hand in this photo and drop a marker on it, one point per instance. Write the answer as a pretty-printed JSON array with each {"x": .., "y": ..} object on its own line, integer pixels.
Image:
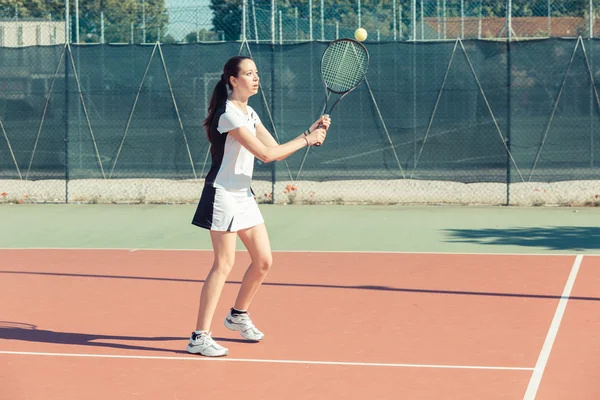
[{"x": 322, "y": 122}]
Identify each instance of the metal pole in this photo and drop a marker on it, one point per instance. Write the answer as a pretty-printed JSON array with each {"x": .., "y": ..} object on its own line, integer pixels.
[
  {"x": 422, "y": 22},
  {"x": 337, "y": 30},
  {"x": 437, "y": 21},
  {"x": 479, "y": 24},
  {"x": 132, "y": 33},
  {"x": 591, "y": 2},
  {"x": 444, "y": 16},
  {"x": 197, "y": 28},
  {"x": 144, "y": 23},
  {"x": 462, "y": 19},
  {"x": 295, "y": 20},
  {"x": 273, "y": 22},
  {"x": 550, "y": 19},
  {"x": 509, "y": 20},
  {"x": 399, "y": 20},
  {"x": 273, "y": 165},
  {"x": 66, "y": 117},
  {"x": 243, "y": 33},
  {"x": 322, "y": 20},
  {"x": 310, "y": 28},
  {"x": 67, "y": 17},
  {"x": 591, "y": 107},
  {"x": 76, "y": 21},
  {"x": 255, "y": 27},
  {"x": 414, "y": 19},
  {"x": 358, "y": 11},
  {"x": 280, "y": 28},
  {"x": 102, "y": 27},
  {"x": 394, "y": 18},
  {"x": 508, "y": 96}
]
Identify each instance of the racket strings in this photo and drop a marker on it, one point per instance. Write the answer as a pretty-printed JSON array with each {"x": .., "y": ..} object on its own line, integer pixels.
[{"x": 343, "y": 66}]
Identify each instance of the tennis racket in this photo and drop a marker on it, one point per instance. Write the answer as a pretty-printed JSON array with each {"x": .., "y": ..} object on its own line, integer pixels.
[{"x": 344, "y": 65}]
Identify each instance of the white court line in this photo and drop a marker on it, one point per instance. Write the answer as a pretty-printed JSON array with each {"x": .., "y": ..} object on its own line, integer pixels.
[
  {"x": 459, "y": 253},
  {"x": 538, "y": 372},
  {"x": 258, "y": 360}
]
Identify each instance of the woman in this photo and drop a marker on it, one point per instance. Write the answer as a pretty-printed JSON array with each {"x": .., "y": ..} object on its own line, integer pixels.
[{"x": 227, "y": 206}]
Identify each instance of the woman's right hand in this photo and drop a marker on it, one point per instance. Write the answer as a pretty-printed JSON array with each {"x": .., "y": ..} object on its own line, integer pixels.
[{"x": 317, "y": 137}]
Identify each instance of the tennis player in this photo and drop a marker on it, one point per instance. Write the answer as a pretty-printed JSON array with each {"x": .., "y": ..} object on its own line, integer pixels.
[{"x": 227, "y": 206}]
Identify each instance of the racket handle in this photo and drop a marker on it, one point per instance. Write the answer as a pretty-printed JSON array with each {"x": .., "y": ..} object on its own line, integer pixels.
[{"x": 321, "y": 126}]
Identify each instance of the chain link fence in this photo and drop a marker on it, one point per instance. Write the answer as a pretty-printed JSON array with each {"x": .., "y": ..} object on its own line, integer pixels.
[
  {"x": 264, "y": 21},
  {"x": 443, "y": 119}
]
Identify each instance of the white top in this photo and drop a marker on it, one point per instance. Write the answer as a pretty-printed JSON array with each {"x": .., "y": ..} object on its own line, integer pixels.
[{"x": 237, "y": 163}]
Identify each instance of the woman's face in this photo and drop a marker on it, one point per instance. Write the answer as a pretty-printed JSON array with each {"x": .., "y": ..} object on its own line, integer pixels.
[{"x": 246, "y": 83}]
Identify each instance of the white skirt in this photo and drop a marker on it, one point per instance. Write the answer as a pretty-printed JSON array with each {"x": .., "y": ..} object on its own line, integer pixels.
[{"x": 224, "y": 210}]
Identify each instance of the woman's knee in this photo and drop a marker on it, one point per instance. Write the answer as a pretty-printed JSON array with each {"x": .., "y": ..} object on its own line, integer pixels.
[
  {"x": 223, "y": 266},
  {"x": 264, "y": 263}
]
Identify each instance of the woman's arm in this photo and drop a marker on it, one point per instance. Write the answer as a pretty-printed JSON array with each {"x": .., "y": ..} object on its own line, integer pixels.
[
  {"x": 267, "y": 139},
  {"x": 267, "y": 150}
]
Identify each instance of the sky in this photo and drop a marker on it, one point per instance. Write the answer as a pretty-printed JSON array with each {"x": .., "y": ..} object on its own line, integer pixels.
[
  {"x": 183, "y": 22},
  {"x": 186, "y": 3}
]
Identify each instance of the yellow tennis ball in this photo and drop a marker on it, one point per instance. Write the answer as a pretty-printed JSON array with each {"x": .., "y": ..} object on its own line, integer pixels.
[{"x": 360, "y": 34}]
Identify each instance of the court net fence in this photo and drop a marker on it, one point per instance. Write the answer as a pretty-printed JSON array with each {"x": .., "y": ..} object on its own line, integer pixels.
[
  {"x": 449, "y": 122},
  {"x": 266, "y": 21}
]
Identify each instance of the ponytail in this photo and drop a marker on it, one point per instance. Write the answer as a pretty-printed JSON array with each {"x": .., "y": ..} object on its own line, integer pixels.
[
  {"x": 218, "y": 98},
  {"x": 219, "y": 95}
]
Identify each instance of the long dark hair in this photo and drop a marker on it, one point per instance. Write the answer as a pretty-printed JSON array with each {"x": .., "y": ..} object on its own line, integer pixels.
[{"x": 219, "y": 95}]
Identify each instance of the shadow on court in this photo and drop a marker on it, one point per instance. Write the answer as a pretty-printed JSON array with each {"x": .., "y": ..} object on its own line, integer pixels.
[
  {"x": 313, "y": 285},
  {"x": 552, "y": 238},
  {"x": 94, "y": 340}
]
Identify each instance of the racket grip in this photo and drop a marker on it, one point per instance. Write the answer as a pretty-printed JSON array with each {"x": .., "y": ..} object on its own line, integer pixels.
[{"x": 319, "y": 127}]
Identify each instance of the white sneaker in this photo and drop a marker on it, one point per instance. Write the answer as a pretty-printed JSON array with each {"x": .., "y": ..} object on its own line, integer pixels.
[
  {"x": 204, "y": 345},
  {"x": 243, "y": 324}
]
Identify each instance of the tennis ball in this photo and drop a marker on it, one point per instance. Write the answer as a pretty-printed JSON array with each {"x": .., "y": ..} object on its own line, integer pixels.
[{"x": 360, "y": 34}]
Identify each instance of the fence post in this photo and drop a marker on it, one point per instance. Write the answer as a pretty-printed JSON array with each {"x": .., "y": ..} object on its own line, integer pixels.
[
  {"x": 144, "y": 23},
  {"x": 592, "y": 83},
  {"x": 322, "y": 20},
  {"x": 394, "y": 18},
  {"x": 244, "y": 8},
  {"x": 102, "y": 27},
  {"x": 76, "y": 21},
  {"x": 66, "y": 117},
  {"x": 67, "y": 25},
  {"x": 414, "y": 19},
  {"x": 399, "y": 21},
  {"x": 462, "y": 19},
  {"x": 273, "y": 164},
  {"x": 310, "y": 27},
  {"x": 508, "y": 95},
  {"x": 550, "y": 18},
  {"x": 591, "y": 18}
]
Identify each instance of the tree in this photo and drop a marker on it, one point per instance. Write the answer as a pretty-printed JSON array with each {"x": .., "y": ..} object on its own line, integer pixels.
[
  {"x": 202, "y": 35},
  {"x": 227, "y": 17},
  {"x": 119, "y": 15}
]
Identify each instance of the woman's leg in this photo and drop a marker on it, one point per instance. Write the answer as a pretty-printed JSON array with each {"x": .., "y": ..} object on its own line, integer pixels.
[
  {"x": 256, "y": 240},
  {"x": 224, "y": 253}
]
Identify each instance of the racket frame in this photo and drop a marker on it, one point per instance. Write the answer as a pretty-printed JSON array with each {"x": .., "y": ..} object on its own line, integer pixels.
[{"x": 342, "y": 94}]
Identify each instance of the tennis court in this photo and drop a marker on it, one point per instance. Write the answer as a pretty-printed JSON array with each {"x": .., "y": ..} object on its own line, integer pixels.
[{"x": 376, "y": 302}]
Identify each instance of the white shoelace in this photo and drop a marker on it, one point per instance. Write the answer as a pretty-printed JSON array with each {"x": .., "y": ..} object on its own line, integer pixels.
[
  {"x": 206, "y": 340},
  {"x": 245, "y": 320}
]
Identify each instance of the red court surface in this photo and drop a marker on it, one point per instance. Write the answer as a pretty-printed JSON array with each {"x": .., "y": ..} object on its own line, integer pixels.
[{"x": 113, "y": 324}]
